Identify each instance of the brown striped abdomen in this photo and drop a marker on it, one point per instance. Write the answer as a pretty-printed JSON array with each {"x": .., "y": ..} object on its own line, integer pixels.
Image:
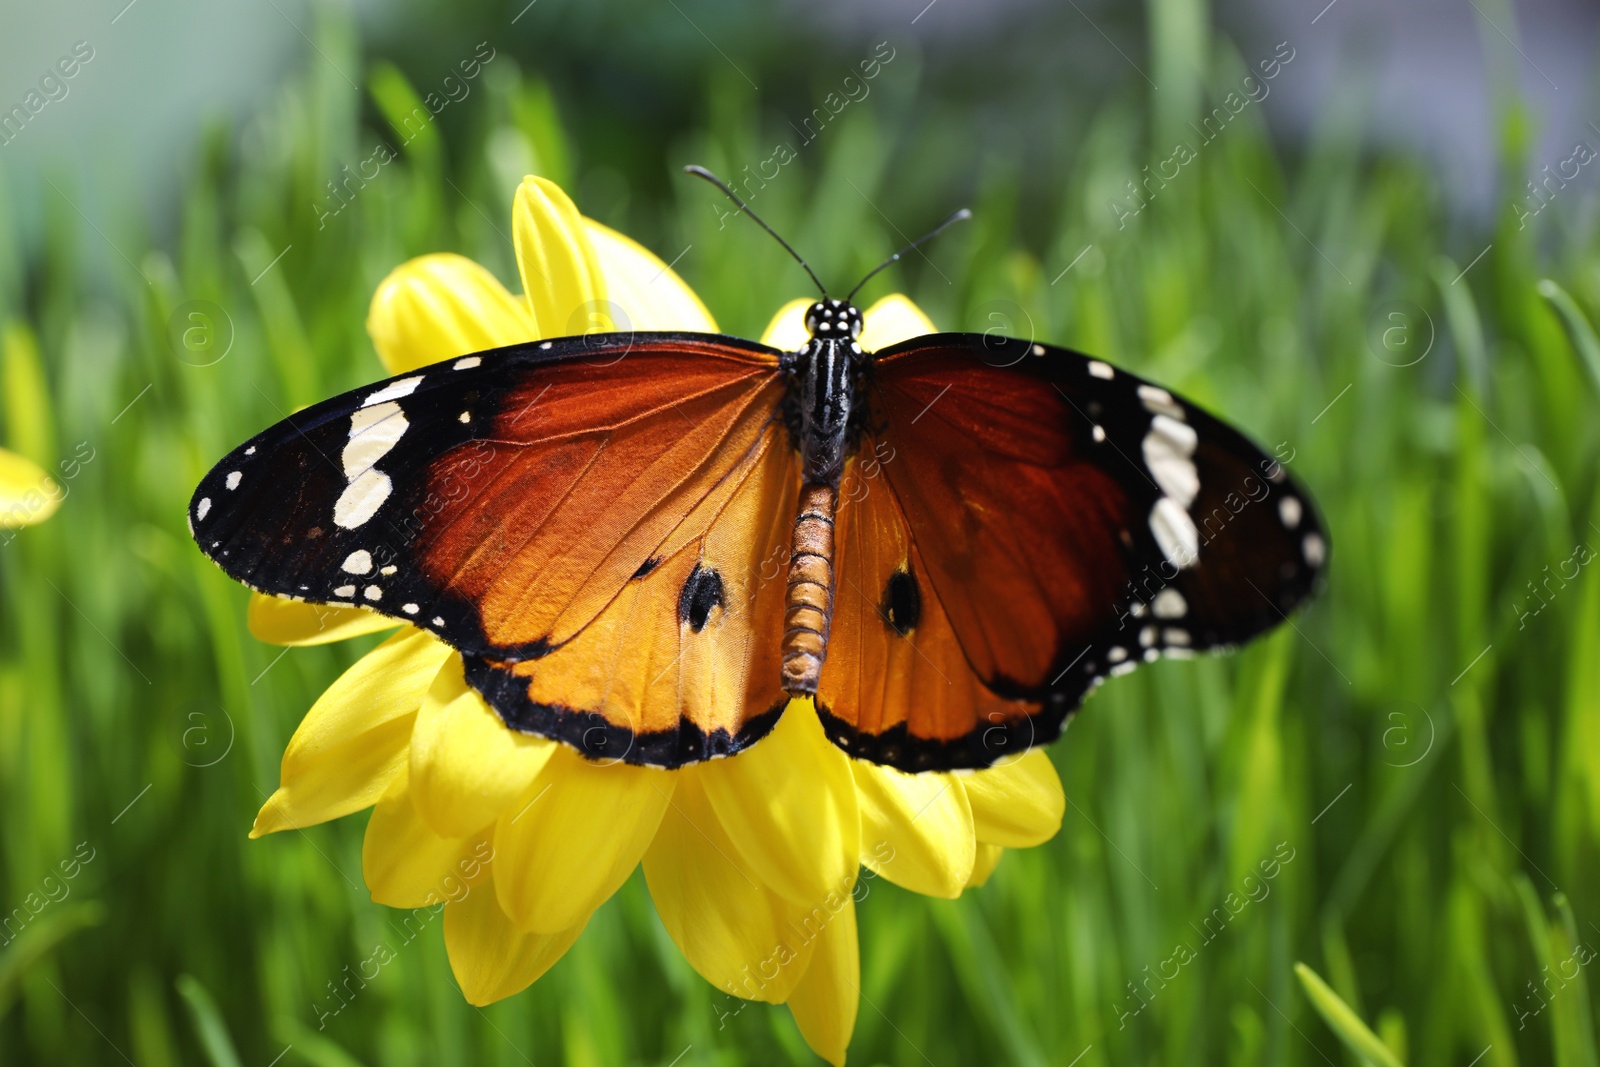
[{"x": 808, "y": 602}]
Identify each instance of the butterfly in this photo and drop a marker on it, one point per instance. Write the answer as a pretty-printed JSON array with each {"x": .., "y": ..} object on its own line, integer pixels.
[{"x": 645, "y": 544}]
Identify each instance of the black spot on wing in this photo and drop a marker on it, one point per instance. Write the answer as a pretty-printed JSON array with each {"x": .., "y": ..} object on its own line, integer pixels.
[
  {"x": 701, "y": 593},
  {"x": 646, "y": 567},
  {"x": 902, "y": 603}
]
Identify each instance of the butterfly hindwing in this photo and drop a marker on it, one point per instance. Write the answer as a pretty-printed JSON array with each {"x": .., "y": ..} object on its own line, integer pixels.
[
  {"x": 1066, "y": 520},
  {"x": 593, "y": 503},
  {"x": 897, "y": 687},
  {"x": 683, "y": 665}
]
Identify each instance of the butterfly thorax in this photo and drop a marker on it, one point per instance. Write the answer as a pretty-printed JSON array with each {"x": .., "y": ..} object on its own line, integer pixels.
[
  {"x": 823, "y": 398},
  {"x": 823, "y": 390}
]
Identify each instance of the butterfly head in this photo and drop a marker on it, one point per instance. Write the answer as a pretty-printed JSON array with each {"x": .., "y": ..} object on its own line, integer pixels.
[{"x": 833, "y": 320}]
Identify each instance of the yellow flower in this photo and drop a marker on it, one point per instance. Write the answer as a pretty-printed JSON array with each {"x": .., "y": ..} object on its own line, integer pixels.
[
  {"x": 751, "y": 861},
  {"x": 27, "y": 493}
]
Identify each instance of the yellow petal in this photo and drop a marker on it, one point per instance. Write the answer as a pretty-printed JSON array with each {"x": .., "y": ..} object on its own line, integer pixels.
[
  {"x": 789, "y": 805},
  {"x": 574, "y": 837},
  {"x": 787, "y": 331},
  {"x": 983, "y": 866},
  {"x": 825, "y": 1002},
  {"x": 27, "y": 494},
  {"x": 560, "y": 272},
  {"x": 1017, "y": 804},
  {"x": 437, "y": 306},
  {"x": 467, "y": 766},
  {"x": 741, "y": 936},
  {"x": 406, "y": 865},
  {"x": 892, "y": 320},
  {"x": 351, "y": 745},
  {"x": 491, "y": 958},
  {"x": 293, "y": 622},
  {"x": 647, "y": 293},
  {"x": 916, "y": 829}
]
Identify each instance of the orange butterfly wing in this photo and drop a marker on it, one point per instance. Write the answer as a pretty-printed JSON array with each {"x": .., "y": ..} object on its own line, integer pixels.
[
  {"x": 896, "y": 687},
  {"x": 1022, "y": 521},
  {"x": 586, "y": 520},
  {"x": 683, "y": 663}
]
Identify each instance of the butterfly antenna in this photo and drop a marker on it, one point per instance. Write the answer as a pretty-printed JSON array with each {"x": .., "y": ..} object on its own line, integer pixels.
[
  {"x": 701, "y": 172},
  {"x": 960, "y": 216}
]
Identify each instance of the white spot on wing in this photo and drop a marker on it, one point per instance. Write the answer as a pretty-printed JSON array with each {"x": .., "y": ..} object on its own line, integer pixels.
[
  {"x": 468, "y": 363},
  {"x": 1315, "y": 549},
  {"x": 1101, "y": 370},
  {"x": 373, "y": 432},
  {"x": 345, "y": 590},
  {"x": 203, "y": 508},
  {"x": 394, "y": 391},
  {"x": 1099, "y": 433},
  {"x": 250, "y": 451},
  {"x": 1289, "y": 511},
  {"x": 372, "y": 592},
  {"x": 464, "y": 417},
  {"x": 1169, "y": 604},
  {"x": 1117, "y": 654},
  {"x": 1175, "y": 532},
  {"x": 1158, "y": 401},
  {"x": 1167, "y": 448},
  {"x": 388, "y": 570},
  {"x": 369, "y": 415},
  {"x": 409, "y": 609},
  {"x": 358, "y": 562},
  {"x": 233, "y": 479},
  {"x": 363, "y": 497}
]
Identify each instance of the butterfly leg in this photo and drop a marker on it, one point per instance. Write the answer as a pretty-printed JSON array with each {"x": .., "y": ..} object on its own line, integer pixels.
[{"x": 809, "y": 600}]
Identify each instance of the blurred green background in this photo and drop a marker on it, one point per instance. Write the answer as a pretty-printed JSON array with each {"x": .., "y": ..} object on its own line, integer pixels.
[{"x": 1419, "y": 752}]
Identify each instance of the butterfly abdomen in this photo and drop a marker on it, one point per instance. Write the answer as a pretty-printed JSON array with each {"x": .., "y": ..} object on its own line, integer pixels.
[{"x": 809, "y": 599}]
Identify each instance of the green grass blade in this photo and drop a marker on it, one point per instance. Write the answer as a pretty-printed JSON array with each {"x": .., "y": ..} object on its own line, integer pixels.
[
  {"x": 1578, "y": 327},
  {"x": 210, "y": 1028},
  {"x": 1344, "y": 1022},
  {"x": 316, "y": 1049}
]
